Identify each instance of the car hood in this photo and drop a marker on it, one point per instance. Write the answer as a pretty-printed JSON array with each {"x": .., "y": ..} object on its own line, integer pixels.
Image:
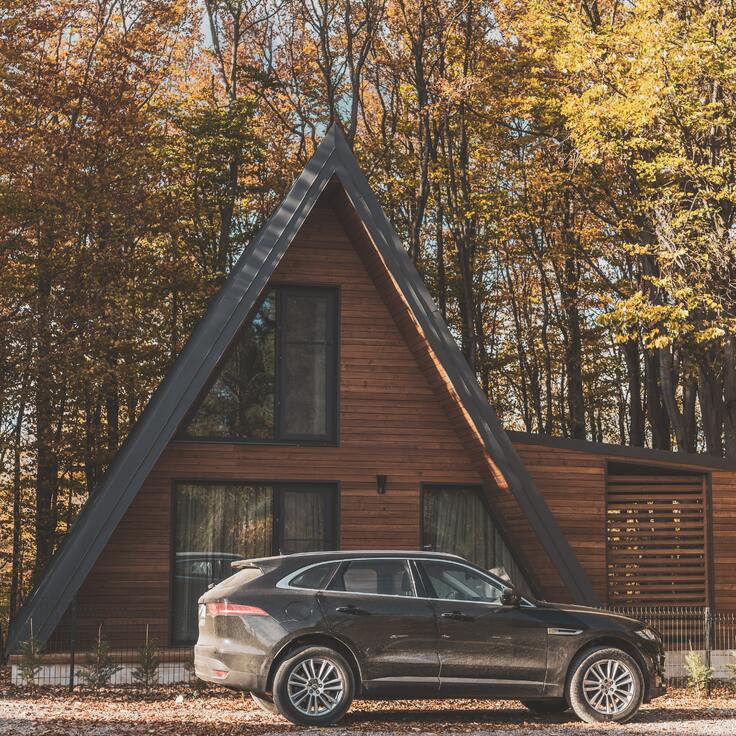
[{"x": 585, "y": 611}]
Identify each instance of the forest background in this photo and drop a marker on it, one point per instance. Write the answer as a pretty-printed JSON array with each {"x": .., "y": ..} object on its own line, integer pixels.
[{"x": 562, "y": 172}]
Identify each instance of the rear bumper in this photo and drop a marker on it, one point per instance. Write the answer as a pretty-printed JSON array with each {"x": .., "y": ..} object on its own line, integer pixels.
[{"x": 230, "y": 669}]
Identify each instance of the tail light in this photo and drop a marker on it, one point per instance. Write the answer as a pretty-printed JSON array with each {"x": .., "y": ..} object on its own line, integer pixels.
[{"x": 225, "y": 608}]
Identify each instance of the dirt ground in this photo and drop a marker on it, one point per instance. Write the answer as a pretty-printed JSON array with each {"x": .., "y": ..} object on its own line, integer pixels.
[{"x": 218, "y": 712}]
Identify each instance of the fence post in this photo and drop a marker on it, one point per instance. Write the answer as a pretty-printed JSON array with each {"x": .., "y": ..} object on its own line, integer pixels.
[
  {"x": 72, "y": 642},
  {"x": 707, "y": 642}
]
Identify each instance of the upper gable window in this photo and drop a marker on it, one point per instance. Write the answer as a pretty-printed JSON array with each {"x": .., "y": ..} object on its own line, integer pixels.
[{"x": 279, "y": 381}]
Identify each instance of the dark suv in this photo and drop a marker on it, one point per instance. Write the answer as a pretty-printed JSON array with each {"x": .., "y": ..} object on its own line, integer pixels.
[{"x": 307, "y": 633}]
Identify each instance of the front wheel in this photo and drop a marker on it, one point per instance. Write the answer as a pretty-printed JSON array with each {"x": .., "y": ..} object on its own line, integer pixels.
[
  {"x": 605, "y": 684},
  {"x": 313, "y": 687}
]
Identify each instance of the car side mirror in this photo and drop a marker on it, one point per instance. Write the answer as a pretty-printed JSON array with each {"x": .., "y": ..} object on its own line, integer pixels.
[{"x": 510, "y": 597}]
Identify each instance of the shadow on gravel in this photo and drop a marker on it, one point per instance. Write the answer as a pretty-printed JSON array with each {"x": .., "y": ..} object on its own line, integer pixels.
[
  {"x": 369, "y": 723},
  {"x": 522, "y": 718}
]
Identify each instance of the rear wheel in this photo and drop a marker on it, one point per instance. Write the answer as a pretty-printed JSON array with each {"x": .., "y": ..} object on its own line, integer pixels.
[
  {"x": 551, "y": 705},
  {"x": 605, "y": 684},
  {"x": 313, "y": 687}
]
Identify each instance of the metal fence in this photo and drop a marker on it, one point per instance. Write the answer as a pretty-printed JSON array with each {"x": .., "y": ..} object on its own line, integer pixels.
[
  {"x": 74, "y": 651},
  {"x": 710, "y": 634},
  {"x": 90, "y": 645}
]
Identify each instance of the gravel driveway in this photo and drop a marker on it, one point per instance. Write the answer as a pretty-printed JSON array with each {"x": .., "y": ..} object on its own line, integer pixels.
[{"x": 120, "y": 712}]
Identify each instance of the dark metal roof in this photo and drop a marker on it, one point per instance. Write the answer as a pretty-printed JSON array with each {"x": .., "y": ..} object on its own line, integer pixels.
[
  {"x": 157, "y": 425},
  {"x": 638, "y": 454}
]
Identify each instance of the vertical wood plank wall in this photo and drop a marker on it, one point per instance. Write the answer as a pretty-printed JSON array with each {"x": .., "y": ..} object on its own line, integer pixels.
[{"x": 391, "y": 422}]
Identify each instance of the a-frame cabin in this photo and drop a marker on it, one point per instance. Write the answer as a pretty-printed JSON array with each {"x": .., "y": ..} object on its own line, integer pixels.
[{"x": 321, "y": 402}]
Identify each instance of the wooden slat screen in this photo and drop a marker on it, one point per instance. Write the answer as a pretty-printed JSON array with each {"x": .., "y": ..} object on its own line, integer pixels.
[{"x": 656, "y": 539}]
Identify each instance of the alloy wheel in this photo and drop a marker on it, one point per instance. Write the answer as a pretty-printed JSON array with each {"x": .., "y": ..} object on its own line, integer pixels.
[
  {"x": 315, "y": 687},
  {"x": 609, "y": 686}
]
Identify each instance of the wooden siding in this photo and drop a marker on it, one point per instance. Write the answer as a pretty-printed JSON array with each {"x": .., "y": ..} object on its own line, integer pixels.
[
  {"x": 510, "y": 519},
  {"x": 723, "y": 526},
  {"x": 392, "y": 421},
  {"x": 573, "y": 483},
  {"x": 573, "y": 486}
]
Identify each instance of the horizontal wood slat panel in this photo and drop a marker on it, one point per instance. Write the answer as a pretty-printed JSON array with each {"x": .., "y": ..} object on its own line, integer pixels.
[{"x": 656, "y": 545}]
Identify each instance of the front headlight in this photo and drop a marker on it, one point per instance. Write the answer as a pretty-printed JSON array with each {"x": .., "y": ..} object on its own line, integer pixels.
[{"x": 647, "y": 633}]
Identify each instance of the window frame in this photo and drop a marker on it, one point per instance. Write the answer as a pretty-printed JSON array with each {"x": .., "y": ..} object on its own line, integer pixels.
[
  {"x": 345, "y": 563},
  {"x": 331, "y": 487},
  {"x": 332, "y": 364},
  {"x": 332, "y": 397},
  {"x": 432, "y": 593},
  {"x": 416, "y": 569}
]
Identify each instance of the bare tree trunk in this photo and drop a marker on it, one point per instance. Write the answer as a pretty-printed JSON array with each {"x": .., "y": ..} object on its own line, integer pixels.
[
  {"x": 92, "y": 431},
  {"x": 711, "y": 404},
  {"x": 46, "y": 462},
  {"x": 658, "y": 421},
  {"x": 573, "y": 351},
  {"x": 112, "y": 405},
  {"x": 689, "y": 399},
  {"x": 668, "y": 382},
  {"x": 16, "y": 561},
  {"x": 729, "y": 396},
  {"x": 440, "y": 257},
  {"x": 636, "y": 412}
]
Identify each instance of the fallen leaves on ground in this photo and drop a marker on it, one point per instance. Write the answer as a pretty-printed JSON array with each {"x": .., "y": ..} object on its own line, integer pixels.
[{"x": 182, "y": 711}]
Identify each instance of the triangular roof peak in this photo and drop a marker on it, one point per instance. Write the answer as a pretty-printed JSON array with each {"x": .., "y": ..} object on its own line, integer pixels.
[{"x": 333, "y": 160}]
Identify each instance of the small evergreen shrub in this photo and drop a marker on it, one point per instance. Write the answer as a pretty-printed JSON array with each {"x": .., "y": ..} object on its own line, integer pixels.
[
  {"x": 31, "y": 660},
  {"x": 699, "y": 675},
  {"x": 146, "y": 673},
  {"x": 99, "y": 665}
]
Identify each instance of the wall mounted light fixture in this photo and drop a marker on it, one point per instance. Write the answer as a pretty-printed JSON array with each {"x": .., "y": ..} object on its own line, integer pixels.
[{"x": 381, "y": 483}]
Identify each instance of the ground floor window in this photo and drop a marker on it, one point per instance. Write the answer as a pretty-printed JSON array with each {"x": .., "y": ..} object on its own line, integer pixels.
[
  {"x": 456, "y": 520},
  {"x": 217, "y": 523}
]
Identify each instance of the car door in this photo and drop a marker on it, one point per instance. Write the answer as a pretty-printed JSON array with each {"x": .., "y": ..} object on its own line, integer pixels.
[
  {"x": 372, "y": 605},
  {"x": 485, "y": 648}
]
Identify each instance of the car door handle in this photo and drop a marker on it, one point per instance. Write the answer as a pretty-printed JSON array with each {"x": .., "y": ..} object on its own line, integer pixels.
[
  {"x": 457, "y": 616},
  {"x": 352, "y": 610}
]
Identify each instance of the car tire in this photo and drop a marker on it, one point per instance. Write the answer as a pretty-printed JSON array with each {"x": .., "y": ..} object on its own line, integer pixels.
[
  {"x": 544, "y": 707},
  {"x": 605, "y": 684},
  {"x": 313, "y": 687},
  {"x": 265, "y": 703}
]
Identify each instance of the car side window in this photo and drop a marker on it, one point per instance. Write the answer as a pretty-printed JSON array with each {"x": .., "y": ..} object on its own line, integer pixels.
[
  {"x": 378, "y": 577},
  {"x": 314, "y": 578},
  {"x": 456, "y": 583}
]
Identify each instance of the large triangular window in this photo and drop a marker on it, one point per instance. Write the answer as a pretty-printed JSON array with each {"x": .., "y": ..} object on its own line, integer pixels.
[{"x": 279, "y": 380}]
